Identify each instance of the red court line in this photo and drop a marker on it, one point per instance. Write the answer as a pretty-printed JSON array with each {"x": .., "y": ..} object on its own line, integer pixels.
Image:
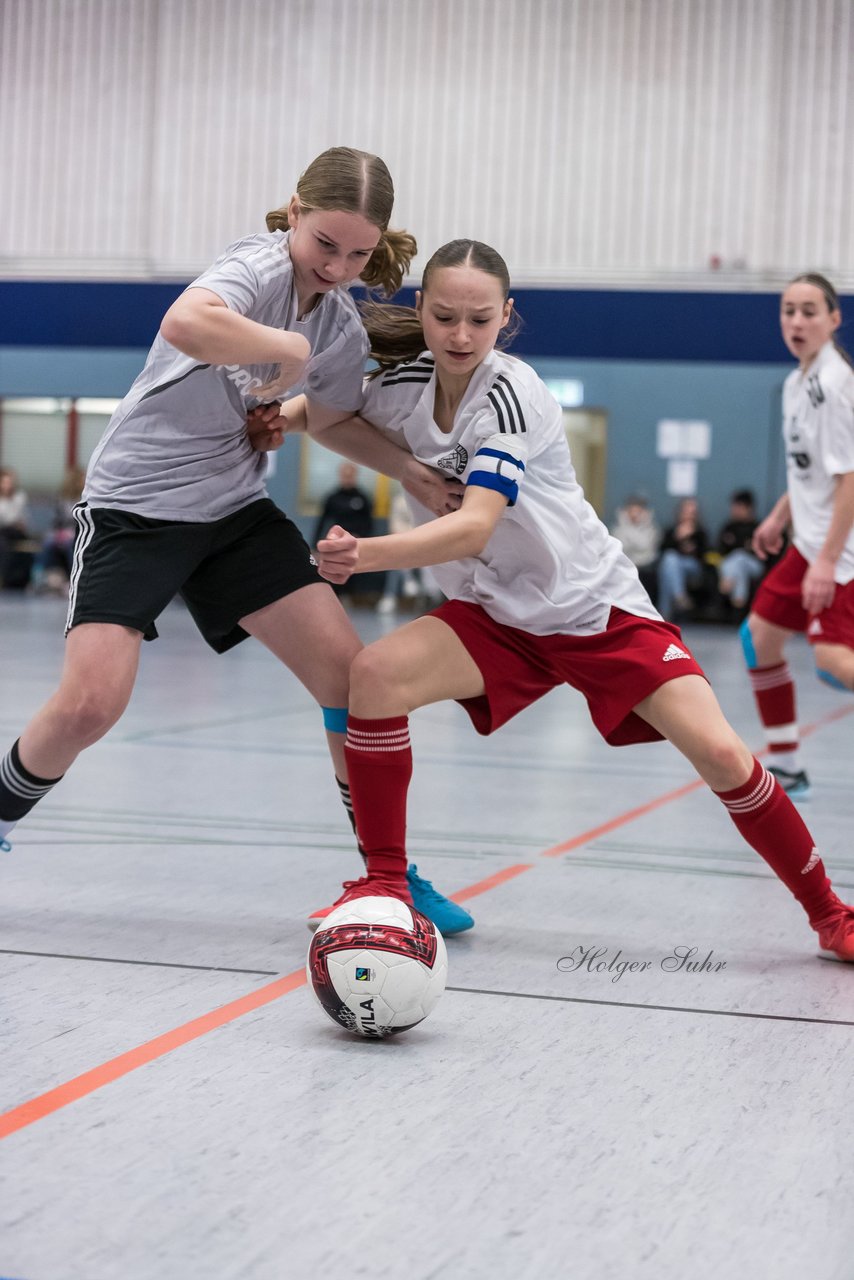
[{"x": 47, "y": 1103}]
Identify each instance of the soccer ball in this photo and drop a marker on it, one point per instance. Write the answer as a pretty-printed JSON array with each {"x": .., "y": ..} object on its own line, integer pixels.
[{"x": 377, "y": 966}]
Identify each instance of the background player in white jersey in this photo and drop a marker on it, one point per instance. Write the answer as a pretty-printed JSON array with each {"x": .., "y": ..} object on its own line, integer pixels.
[
  {"x": 812, "y": 588},
  {"x": 175, "y": 499},
  {"x": 540, "y": 593}
]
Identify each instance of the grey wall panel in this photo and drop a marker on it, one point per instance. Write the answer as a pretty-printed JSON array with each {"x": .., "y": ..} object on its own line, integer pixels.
[{"x": 604, "y": 141}]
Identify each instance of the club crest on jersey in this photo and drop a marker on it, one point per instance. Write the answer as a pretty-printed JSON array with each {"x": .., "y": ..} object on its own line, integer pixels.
[{"x": 456, "y": 461}]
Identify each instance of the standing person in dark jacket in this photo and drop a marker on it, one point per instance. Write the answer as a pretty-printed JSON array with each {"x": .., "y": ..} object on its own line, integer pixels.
[
  {"x": 348, "y": 505},
  {"x": 352, "y": 509}
]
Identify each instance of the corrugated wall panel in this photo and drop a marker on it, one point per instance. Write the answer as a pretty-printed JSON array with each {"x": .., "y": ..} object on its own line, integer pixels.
[
  {"x": 75, "y": 121},
  {"x": 590, "y": 140}
]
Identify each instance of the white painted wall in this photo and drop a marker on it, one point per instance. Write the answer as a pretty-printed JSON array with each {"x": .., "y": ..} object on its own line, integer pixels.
[{"x": 604, "y": 141}]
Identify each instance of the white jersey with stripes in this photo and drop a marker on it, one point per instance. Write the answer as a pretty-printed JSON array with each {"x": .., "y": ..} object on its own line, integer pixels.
[
  {"x": 818, "y": 430},
  {"x": 176, "y": 447},
  {"x": 551, "y": 567}
]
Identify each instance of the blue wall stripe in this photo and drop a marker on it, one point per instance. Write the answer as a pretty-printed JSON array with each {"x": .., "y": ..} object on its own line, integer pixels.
[{"x": 570, "y": 323}]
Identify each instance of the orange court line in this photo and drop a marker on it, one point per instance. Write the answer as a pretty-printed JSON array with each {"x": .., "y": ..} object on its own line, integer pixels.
[
  {"x": 838, "y": 713},
  {"x": 620, "y": 821},
  {"x": 483, "y": 886},
  {"x": 47, "y": 1103}
]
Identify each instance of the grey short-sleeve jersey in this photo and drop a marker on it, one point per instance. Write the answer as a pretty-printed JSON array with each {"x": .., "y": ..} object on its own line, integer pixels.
[{"x": 176, "y": 447}]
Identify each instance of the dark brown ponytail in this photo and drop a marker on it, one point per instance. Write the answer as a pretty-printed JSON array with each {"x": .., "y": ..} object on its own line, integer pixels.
[{"x": 395, "y": 332}]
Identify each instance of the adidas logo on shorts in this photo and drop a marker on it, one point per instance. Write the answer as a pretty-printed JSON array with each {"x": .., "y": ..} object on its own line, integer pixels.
[{"x": 672, "y": 652}]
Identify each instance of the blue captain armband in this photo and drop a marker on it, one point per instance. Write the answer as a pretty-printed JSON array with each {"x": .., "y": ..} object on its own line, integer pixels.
[{"x": 497, "y": 469}]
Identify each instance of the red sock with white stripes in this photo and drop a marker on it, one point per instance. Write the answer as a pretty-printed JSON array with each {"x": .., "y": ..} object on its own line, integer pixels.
[
  {"x": 774, "y": 691},
  {"x": 771, "y": 824},
  {"x": 379, "y": 766}
]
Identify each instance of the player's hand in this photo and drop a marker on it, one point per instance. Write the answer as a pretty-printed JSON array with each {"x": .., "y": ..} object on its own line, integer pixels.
[
  {"x": 768, "y": 538},
  {"x": 337, "y": 555},
  {"x": 818, "y": 587},
  {"x": 432, "y": 489},
  {"x": 265, "y": 427},
  {"x": 290, "y": 371}
]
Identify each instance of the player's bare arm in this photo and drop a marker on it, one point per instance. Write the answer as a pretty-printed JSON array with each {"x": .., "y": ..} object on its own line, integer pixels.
[
  {"x": 459, "y": 535},
  {"x": 201, "y": 325},
  {"x": 358, "y": 440},
  {"x": 768, "y": 536},
  {"x": 819, "y": 587}
]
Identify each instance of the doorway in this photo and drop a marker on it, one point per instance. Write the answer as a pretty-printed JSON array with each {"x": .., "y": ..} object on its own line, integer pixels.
[{"x": 587, "y": 433}]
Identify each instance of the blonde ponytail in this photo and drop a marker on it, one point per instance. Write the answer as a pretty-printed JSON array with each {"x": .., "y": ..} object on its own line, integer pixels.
[
  {"x": 389, "y": 262},
  {"x": 277, "y": 219}
]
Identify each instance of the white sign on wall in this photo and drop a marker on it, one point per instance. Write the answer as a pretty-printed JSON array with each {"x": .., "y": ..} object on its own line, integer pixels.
[
  {"x": 683, "y": 442},
  {"x": 682, "y": 477},
  {"x": 683, "y": 438}
]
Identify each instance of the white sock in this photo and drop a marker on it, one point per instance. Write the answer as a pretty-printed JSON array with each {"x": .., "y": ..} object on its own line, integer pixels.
[
  {"x": 788, "y": 760},
  {"x": 5, "y": 828}
]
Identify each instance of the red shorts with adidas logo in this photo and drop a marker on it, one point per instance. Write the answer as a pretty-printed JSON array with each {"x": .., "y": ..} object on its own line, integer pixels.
[
  {"x": 778, "y": 600},
  {"x": 615, "y": 670}
]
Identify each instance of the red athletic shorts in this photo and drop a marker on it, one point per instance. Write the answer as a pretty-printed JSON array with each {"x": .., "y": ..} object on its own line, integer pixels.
[
  {"x": 615, "y": 670},
  {"x": 778, "y": 600}
]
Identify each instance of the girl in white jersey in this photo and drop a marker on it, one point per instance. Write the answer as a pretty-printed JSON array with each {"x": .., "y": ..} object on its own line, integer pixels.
[
  {"x": 175, "y": 500},
  {"x": 540, "y": 593},
  {"x": 812, "y": 588}
]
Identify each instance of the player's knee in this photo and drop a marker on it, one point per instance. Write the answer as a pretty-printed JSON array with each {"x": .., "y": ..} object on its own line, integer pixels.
[
  {"x": 727, "y": 763},
  {"x": 371, "y": 674},
  {"x": 366, "y": 672},
  {"x": 87, "y": 714}
]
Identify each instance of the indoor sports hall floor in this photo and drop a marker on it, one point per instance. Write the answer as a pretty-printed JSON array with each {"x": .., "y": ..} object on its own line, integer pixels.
[{"x": 175, "y": 1106}]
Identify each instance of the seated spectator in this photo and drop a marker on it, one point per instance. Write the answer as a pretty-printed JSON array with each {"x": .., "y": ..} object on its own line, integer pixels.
[
  {"x": 14, "y": 526},
  {"x": 680, "y": 568},
  {"x": 739, "y": 569},
  {"x": 52, "y": 567},
  {"x": 635, "y": 527}
]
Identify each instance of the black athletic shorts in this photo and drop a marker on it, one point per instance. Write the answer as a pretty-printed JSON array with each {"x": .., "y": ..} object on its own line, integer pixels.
[{"x": 127, "y": 568}]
